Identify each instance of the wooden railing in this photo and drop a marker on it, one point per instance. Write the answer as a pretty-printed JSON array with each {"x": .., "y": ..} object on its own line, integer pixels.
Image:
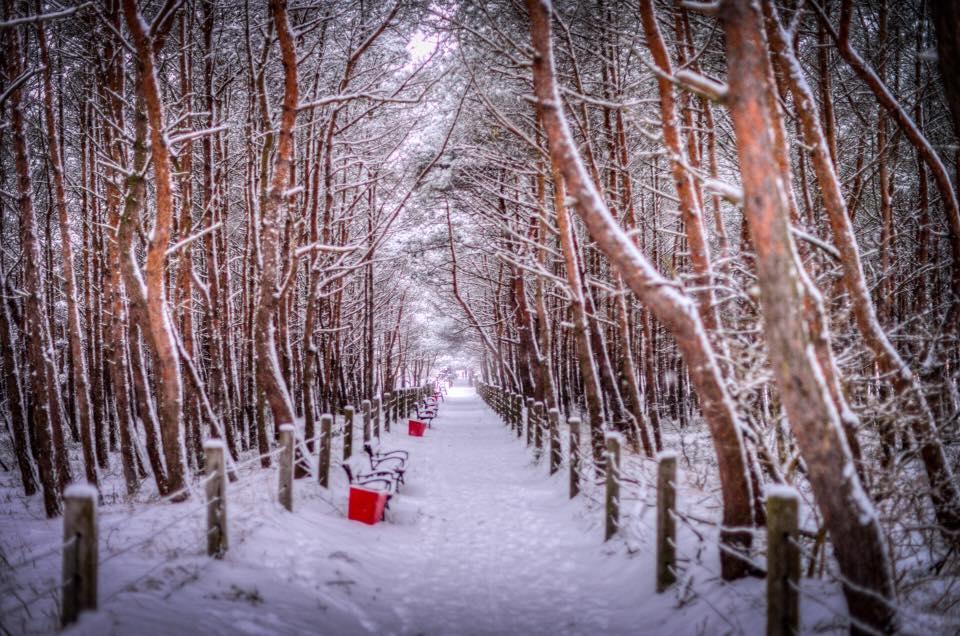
[
  {"x": 78, "y": 587},
  {"x": 526, "y": 417}
]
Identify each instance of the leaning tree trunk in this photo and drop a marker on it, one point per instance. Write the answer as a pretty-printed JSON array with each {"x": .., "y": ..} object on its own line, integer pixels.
[
  {"x": 943, "y": 486},
  {"x": 670, "y": 306},
  {"x": 848, "y": 514}
]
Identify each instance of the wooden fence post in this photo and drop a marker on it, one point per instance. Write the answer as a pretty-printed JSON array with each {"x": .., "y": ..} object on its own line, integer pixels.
[
  {"x": 783, "y": 562},
  {"x": 538, "y": 431},
  {"x": 666, "y": 524},
  {"x": 518, "y": 414},
  {"x": 216, "y": 498},
  {"x": 347, "y": 431},
  {"x": 285, "y": 494},
  {"x": 387, "y": 400},
  {"x": 531, "y": 419},
  {"x": 80, "y": 552},
  {"x": 574, "y": 424},
  {"x": 323, "y": 460},
  {"x": 378, "y": 415},
  {"x": 613, "y": 484},
  {"x": 555, "y": 452},
  {"x": 367, "y": 424}
]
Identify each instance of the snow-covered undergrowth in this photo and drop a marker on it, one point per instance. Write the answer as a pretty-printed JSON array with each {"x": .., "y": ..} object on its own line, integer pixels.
[{"x": 481, "y": 540}]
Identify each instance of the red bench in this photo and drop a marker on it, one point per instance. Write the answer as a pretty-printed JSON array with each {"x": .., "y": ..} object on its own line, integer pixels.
[{"x": 416, "y": 428}]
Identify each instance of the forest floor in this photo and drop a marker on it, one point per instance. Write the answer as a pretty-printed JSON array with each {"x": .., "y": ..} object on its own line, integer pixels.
[{"x": 480, "y": 541}]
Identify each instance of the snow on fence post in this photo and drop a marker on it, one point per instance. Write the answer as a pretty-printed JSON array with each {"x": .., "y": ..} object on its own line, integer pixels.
[
  {"x": 555, "y": 458},
  {"x": 387, "y": 402},
  {"x": 347, "y": 431},
  {"x": 377, "y": 414},
  {"x": 574, "y": 424},
  {"x": 613, "y": 484},
  {"x": 80, "y": 552},
  {"x": 666, "y": 523},
  {"x": 285, "y": 493},
  {"x": 538, "y": 432},
  {"x": 531, "y": 419},
  {"x": 323, "y": 460},
  {"x": 783, "y": 562},
  {"x": 216, "y": 498},
  {"x": 365, "y": 407}
]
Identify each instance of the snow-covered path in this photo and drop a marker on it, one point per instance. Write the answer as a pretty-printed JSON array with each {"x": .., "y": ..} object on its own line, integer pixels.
[{"x": 480, "y": 541}]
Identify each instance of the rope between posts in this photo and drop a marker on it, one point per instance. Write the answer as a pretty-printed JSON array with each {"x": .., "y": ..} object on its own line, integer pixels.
[
  {"x": 236, "y": 519},
  {"x": 684, "y": 555},
  {"x": 252, "y": 460},
  {"x": 26, "y": 604},
  {"x": 679, "y": 517},
  {"x": 741, "y": 557},
  {"x": 149, "y": 505},
  {"x": 154, "y": 532},
  {"x": 846, "y": 617},
  {"x": 189, "y": 489},
  {"x": 839, "y": 578},
  {"x": 804, "y": 551},
  {"x": 241, "y": 484},
  {"x": 11, "y": 589},
  {"x": 42, "y": 555},
  {"x": 280, "y": 449}
]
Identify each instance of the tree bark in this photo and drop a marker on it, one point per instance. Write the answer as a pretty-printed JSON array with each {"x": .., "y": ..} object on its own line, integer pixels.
[
  {"x": 269, "y": 375},
  {"x": 671, "y": 307},
  {"x": 160, "y": 322},
  {"x": 943, "y": 485},
  {"x": 848, "y": 515}
]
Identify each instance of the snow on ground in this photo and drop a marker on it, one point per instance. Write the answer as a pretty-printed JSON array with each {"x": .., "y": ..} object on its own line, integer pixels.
[{"x": 480, "y": 541}]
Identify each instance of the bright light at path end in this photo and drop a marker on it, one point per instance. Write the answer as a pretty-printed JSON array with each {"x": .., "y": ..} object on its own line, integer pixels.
[{"x": 421, "y": 45}]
